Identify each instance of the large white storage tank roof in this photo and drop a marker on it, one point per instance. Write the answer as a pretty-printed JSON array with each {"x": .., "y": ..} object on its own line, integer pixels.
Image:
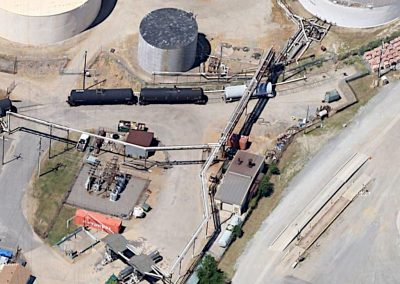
[
  {"x": 354, "y": 13},
  {"x": 45, "y": 21}
]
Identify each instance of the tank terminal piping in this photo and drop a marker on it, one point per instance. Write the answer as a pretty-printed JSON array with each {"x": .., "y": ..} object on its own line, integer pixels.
[{"x": 62, "y": 127}]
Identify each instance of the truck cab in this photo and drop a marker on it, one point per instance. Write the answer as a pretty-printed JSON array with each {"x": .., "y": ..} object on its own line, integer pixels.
[{"x": 82, "y": 143}]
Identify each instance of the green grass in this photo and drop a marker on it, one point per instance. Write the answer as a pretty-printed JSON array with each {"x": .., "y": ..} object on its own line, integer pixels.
[
  {"x": 52, "y": 187},
  {"x": 59, "y": 229}
]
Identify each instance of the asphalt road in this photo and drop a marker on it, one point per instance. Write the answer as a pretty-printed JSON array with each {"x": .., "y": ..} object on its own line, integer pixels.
[
  {"x": 362, "y": 245},
  {"x": 21, "y": 160}
]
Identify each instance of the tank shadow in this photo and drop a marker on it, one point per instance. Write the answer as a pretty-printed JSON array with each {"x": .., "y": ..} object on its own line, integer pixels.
[
  {"x": 203, "y": 50},
  {"x": 107, "y": 6}
]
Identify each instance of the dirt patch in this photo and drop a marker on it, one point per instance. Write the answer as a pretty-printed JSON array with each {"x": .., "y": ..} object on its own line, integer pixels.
[
  {"x": 114, "y": 70},
  {"x": 3, "y": 94}
]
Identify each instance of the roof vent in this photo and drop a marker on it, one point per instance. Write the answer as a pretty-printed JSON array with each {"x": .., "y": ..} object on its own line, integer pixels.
[
  {"x": 239, "y": 161},
  {"x": 251, "y": 163}
]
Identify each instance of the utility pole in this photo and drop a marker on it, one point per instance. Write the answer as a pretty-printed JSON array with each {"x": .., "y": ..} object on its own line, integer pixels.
[
  {"x": 305, "y": 124},
  {"x": 39, "y": 154},
  {"x": 51, "y": 134},
  {"x": 84, "y": 72},
  {"x": 2, "y": 156},
  {"x": 67, "y": 144},
  {"x": 308, "y": 110},
  {"x": 380, "y": 60}
]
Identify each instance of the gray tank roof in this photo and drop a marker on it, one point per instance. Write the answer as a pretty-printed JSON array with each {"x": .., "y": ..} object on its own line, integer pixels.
[{"x": 169, "y": 28}]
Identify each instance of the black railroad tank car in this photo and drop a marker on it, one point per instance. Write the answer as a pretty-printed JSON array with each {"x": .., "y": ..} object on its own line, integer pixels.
[
  {"x": 102, "y": 97},
  {"x": 6, "y": 105},
  {"x": 172, "y": 96}
]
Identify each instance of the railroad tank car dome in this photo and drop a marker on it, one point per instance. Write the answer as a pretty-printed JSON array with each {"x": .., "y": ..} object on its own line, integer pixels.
[
  {"x": 354, "y": 13},
  {"x": 45, "y": 21},
  {"x": 167, "y": 40}
]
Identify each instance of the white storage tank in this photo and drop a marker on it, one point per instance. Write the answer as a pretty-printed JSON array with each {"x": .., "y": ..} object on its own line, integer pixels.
[
  {"x": 45, "y": 21},
  {"x": 167, "y": 41},
  {"x": 354, "y": 13},
  {"x": 234, "y": 93}
]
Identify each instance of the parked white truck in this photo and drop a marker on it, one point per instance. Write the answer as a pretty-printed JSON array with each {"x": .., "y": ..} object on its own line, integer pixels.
[{"x": 82, "y": 143}]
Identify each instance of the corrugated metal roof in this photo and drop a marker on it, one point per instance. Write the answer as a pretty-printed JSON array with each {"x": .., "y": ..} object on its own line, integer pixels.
[
  {"x": 140, "y": 137},
  {"x": 239, "y": 178},
  {"x": 233, "y": 189},
  {"x": 142, "y": 262},
  {"x": 116, "y": 242}
]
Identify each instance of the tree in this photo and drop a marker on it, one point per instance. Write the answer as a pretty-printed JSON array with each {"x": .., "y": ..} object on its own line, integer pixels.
[
  {"x": 237, "y": 231},
  {"x": 266, "y": 188},
  {"x": 209, "y": 273},
  {"x": 273, "y": 169}
]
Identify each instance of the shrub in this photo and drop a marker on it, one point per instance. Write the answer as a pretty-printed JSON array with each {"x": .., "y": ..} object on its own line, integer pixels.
[
  {"x": 266, "y": 188},
  {"x": 273, "y": 169},
  {"x": 209, "y": 273}
]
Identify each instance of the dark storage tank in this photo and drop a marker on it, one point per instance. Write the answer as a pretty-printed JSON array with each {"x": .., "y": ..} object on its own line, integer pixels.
[
  {"x": 102, "y": 97},
  {"x": 6, "y": 105},
  {"x": 172, "y": 96},
  {"x": 167, "y": 41}
]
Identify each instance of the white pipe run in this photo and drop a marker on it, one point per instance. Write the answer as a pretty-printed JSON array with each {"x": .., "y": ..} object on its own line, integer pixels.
[
  {"x": 149, "y": 149},
  {"x": 237, "y": 113}
]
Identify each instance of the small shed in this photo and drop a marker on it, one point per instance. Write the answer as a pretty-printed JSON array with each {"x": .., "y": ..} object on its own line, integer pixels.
[
  {"x": 138, "y": 138},
  {"x": 331, "y": 96}
]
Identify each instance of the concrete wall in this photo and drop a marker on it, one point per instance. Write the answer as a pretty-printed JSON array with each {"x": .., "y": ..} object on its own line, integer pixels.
[
  {"x": 352, "y": 17},
  {"x": 171, "y": 60},
  {"x": 38, "y": 30}
]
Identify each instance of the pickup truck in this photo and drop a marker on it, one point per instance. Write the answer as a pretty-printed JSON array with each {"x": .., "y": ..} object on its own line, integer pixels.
[{"x": 82, "y": 143}]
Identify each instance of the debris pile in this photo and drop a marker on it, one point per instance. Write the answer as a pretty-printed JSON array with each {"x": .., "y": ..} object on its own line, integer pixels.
[{"x": 385, "y": 57}]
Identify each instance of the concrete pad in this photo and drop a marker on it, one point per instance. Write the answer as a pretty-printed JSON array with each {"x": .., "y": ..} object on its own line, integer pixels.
[
  {"x": 357, "y": 186},
  {"x": 297, "y": 225},
  {"x": 129, "y": 198}
]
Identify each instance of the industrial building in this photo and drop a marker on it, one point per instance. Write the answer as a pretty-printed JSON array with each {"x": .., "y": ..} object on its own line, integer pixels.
[
  {"x": 139, "y": 264},
  {"x": 140, "y": 138},
  {"x": 45, "y": 21},
  {"x": 238, "y": 184},
  {"x": 167, "y": 41},
  {"x": 14, "y": 273},
  {"x": 354, "y": 13}
]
